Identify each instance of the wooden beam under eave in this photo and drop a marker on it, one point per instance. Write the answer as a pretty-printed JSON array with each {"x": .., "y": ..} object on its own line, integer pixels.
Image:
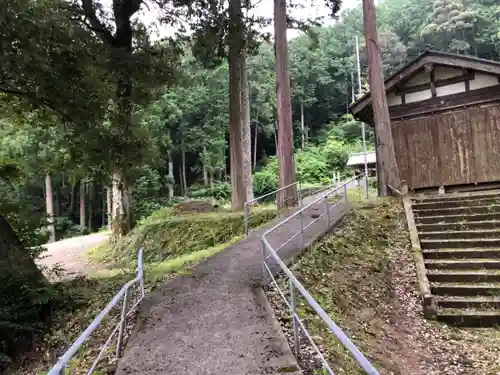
[{"x": 432, "y": 74}]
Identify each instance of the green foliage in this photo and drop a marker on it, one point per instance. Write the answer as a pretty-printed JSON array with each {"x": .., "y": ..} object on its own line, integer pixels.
[
  {"x": 166, "y": 237},
  {"x": 220, "y": 191}
]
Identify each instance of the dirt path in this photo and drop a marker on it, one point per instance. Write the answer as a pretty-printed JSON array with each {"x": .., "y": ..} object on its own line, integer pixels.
[
  {"x": 69, "y": 254},
  {"x": 216, "y": 320}
]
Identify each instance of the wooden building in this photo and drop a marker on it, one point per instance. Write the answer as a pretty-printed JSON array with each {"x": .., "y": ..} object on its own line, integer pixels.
[
  {"x": 356, "y": 162},
  {"x": 445, "y": 119}
]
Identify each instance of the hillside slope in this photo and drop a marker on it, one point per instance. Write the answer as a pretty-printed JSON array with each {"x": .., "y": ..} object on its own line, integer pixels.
[{"x": 363, "y": 275}]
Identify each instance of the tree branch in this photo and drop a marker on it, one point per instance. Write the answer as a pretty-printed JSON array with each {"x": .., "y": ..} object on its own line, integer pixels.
[
  {"x": 95, "y": 23},
  {"x": 35, "y": 99}
]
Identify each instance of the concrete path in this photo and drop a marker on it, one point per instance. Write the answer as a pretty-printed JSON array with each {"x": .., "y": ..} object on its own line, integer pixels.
[{"x": 216, "y": 321}]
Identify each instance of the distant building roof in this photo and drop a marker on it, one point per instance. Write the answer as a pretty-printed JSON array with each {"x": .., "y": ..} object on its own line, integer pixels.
[{"x": 358, "y": 158}]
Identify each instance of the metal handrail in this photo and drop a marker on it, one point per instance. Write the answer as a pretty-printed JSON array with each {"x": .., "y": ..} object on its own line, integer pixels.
[
  {"x": 246, "y": 206},
  {"x": 395, "y": 190},
  {"x": 65, "y": 359},
  {"x": 294, "y": 283}
]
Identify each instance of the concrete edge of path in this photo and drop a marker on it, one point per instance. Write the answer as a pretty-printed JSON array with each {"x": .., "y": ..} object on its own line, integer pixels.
[{"x": 287, "y": 361}]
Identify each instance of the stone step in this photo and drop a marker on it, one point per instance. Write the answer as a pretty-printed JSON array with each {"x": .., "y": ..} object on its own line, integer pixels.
[
  {"x": 419, "y": 213},
  {"x": 454, "y": 243},
  {"x": 463, "y": 254},
  {"x": 447, "y": 203},
  {"x": 477, "y": 302},
  {"x": 439, "y": 219},
  {"x": 458, "y": 276},
  {"x": 456, "y": 198},
  {"x": 468, "y": 263},
  {"x": 464, "y": 225},
  {"x": 461, "y": 234},
  {"x": 465, "y": 289},
  {"x": 469, "y": 317}
]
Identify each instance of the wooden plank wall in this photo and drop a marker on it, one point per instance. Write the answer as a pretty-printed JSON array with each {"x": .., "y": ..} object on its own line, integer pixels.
[
  {"x": 454, "y": 148},
  {"x": 485, "y": 126}
]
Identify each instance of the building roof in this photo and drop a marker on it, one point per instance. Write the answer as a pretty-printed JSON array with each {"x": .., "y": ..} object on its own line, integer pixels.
[
  {"x": 358, "y": 158},
  {"x": 430, "y": 57}
]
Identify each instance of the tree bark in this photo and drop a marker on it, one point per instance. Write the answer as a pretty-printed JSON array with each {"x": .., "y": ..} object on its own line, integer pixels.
[
  {"x": 49, "y": 201},
  {"x": 256, "y": 137},
  {"x": 82, "y": 206},
  {"x": 109, "y": 201},
  {"x": 128, "y": 208},
  {"x": 302, "y": 127},
  {"x": 90, "y": 205},
  {"x": 205, "y": 171},
  {"x": 117, "y": 227},
  {"x": 72, "y": 199},
  {"x": 183, "y": 172},
  {"x": 286, "y": 197},
  {"x": 236, "y": 47},
  {"x": 386, "y": 157},
  {"x": 246, "y": 133},
  {"x": 171, "y": 178}
]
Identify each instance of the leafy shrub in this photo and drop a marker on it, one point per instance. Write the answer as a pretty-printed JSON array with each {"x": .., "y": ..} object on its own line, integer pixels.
[
  {"x": 266, "y": 180},
  {"x": 220, "y": 191},
  {"x": 178, "y": 235}
]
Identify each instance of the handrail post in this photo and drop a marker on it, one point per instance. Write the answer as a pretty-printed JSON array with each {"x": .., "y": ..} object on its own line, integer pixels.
[
  {"x": 301, "y": 230},
  {"x": 264, "y": 278},
  {"x": 327, "y": 212},
  {"x": 366, "y": 186},
  {"x": 245, "y": 218},
  {"x": 299, "y": 194},
  {"x": 294, "y": 320},
  {"x": 123, "y": 324},
  {"x": 345, "y": 194}
]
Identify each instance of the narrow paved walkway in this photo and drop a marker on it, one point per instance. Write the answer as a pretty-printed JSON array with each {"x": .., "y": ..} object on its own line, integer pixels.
[{"x": 216, "y": 321}]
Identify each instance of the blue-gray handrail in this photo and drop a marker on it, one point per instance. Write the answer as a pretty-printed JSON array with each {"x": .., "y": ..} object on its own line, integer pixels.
[
  {"x": 123, "y": 294},
  {"x": 295, "y": 284}
]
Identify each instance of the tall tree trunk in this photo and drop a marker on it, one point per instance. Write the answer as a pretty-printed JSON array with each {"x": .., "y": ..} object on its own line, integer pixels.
[
  {"x": 275, "y": 133},
  {"x": 118, "y": 227},
  {"x": 246, "y": 131},
  {"x": 302, "y": 127},
  {"x": 386, "y": 157},
  {"x": 49, "y": 200},
  {"x": 57, "y": 200},
  {"x": 286, "y": 197},
  {"x": 109, "y": 201},
  {"x": 171, "y": 178},
  {"x": 205, "y": 171},
  {"x": 256, "y": 137},
  {"x": 82, "y": 205},
  {"x": 236, "y": 47},
  {"x": 183, "y": 171},
  {"x": 90, "y": 205},
  {"x": 72, "y": 199},
  {"x": 128, "y": 207}
]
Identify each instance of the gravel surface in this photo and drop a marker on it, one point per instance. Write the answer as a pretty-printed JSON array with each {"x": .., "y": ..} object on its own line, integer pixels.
[
  {"x": 215, "y": 320},
  {"x": 69, "y": 254}
]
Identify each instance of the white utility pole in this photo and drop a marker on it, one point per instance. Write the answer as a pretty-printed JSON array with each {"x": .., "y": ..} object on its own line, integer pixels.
[{"x": 362, "y": 124}]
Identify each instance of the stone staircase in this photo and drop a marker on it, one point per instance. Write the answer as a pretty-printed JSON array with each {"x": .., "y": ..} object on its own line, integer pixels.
[{"x": 459, "y": 237}]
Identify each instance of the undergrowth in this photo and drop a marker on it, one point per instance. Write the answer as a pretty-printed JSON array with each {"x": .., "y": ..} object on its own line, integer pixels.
[
  {"x": 84, "y": 298},
  {"x": 348, "y": 273},
  {"x": 165, "y": 237}
]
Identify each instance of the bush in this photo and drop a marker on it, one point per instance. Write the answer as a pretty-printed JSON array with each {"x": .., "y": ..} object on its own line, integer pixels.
[
  {"x": 220, "y": 191},
  {"x": 167, "y": 238}
]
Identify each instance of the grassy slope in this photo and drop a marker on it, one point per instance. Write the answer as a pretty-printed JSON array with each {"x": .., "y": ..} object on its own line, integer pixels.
[{"x": 364, "y": 277}]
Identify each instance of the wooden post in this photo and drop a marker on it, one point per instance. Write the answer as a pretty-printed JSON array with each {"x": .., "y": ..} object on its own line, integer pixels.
[{"x": 386, "y": 157}]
